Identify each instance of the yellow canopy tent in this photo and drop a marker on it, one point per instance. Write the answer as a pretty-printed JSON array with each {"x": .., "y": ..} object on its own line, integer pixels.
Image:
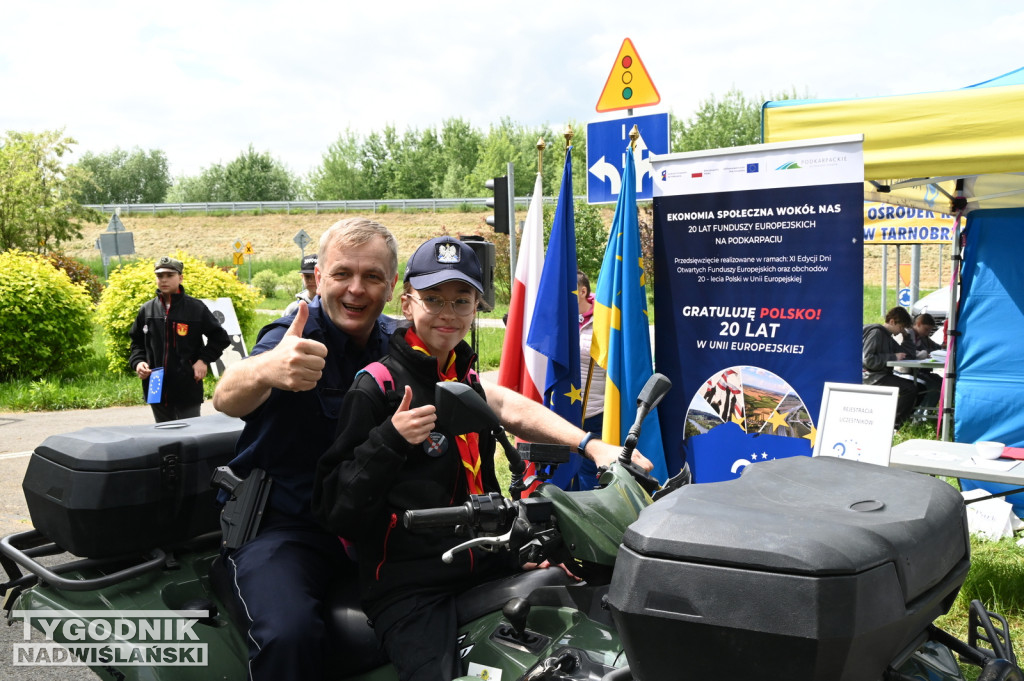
[
  {"x": 955, "y": 152},
  {"x": 917, "y": 146}
]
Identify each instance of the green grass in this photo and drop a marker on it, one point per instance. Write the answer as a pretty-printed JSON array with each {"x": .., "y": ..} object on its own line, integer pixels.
[
  {"x": 86, "y": 385},
  {"x": 996, "y": 579}
]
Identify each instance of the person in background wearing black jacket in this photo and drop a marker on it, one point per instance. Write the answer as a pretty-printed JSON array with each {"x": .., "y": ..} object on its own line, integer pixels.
[
  {"x": 879, "y": 348},
  {"x": 168, "y": 332}
]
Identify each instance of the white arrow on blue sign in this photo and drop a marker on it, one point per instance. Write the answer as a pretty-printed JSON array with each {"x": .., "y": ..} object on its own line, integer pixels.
[{"x": 606, "y": 155}]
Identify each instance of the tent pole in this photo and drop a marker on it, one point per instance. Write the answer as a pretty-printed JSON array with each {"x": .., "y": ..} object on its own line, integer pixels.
[
  {"x": 885, "y": 275},
  {"x": 959, "y": 203},
  {"x": 915, "y": 274}
]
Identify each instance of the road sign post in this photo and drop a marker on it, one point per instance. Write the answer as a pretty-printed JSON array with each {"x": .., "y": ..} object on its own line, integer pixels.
[
  {"x": 115, "y": 241},
  {"x": 606, "y": 155},
  {"x": 302, "y": 240},
  {"x": 249, "y": 251},
  {"x": 238, "y": 257},
  {"x": 629, "y": 85}
]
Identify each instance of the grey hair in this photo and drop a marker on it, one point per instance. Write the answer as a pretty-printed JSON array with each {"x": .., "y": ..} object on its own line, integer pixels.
[{"x": 352, "y": 232}]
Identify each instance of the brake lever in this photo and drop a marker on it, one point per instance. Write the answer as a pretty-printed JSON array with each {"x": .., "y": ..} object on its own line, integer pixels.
[{"x": 492, "y": 544}]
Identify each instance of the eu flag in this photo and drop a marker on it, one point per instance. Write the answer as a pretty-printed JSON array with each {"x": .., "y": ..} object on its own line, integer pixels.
[
  {"x": 621, "y": 343},
  {"x": 555, "y": 330}
]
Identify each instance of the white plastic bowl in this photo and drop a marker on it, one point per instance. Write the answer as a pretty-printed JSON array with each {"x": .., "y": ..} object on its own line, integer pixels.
[{"x": 989, "y": 450}]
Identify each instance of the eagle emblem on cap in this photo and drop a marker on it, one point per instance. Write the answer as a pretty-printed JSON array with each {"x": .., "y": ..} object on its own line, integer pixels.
[{"x": 447, "y": 254}]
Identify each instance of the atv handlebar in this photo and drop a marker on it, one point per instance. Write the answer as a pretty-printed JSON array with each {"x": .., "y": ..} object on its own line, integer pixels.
[
  {"x": 488, "y": 512},
  {"x": 438, "y": 517}
]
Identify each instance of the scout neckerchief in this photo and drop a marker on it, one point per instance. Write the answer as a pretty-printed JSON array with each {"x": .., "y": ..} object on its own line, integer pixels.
[{"x": 469, "y": 444}]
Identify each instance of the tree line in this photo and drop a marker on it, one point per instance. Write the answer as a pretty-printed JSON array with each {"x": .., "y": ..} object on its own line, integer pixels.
[{"x": 42, "y": 197}]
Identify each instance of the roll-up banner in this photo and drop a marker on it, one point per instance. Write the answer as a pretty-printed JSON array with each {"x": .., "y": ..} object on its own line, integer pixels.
[{"x": 758, "y": 296}]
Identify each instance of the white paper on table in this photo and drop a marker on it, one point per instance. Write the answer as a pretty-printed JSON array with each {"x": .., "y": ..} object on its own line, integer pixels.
[
  {"x": 932, "y": 455},
  {"x": 990, "y": 464}
]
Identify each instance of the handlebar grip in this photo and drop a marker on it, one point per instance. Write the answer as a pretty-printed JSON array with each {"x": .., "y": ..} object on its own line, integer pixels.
[{"x": 437, "y": 517}]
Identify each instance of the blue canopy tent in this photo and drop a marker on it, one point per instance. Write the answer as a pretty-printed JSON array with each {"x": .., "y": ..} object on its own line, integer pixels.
[{"x": 960, "y": 152}]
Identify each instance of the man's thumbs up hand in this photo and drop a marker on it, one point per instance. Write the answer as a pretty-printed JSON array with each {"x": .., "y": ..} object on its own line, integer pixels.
[{"x": 300, "y": 361}]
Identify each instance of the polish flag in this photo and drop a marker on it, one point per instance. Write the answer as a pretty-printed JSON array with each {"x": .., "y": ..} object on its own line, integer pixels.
[{"x": 523, "y": 369}]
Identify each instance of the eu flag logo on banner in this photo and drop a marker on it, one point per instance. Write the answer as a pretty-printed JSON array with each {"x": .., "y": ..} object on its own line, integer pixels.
[
  {"x": 555, "y": 331},
  {"x": 621, "y": 343},
  {"x": 156, "y": 386}
]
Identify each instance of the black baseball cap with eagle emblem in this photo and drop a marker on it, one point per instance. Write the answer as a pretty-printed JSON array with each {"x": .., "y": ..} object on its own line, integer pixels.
[{"x": 444, "y": 259}]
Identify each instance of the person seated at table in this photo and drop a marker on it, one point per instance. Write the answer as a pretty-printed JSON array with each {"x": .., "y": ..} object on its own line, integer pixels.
[
  {"x": 879, "y": 348},
  {"x": 917, "y": 339},
  {"x": 918, "y": 344}
]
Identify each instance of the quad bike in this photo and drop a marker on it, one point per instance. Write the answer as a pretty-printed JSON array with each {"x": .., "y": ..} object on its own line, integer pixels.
[{"x": 803, "y": 568}]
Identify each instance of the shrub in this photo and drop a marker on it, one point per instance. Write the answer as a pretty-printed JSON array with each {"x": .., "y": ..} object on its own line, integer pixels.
[
  {"x": 44, "y": 317},
  {"x": 267, "y": 282},
  {"x": 79, "y": 273},
  {"x": 131, "y": 286}
]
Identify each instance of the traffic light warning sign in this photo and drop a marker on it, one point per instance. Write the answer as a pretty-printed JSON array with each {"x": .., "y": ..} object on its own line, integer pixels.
[{"x": 628, "y": 85}]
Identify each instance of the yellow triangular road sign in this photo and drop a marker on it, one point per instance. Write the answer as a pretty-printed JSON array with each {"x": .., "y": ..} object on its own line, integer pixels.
[{"x": 629, "y": 84}]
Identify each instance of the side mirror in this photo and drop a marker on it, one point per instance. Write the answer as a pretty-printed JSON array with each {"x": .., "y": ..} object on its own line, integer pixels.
[
  {"x": 461, "y": 410},
  {"x": 654, "y": 390}
]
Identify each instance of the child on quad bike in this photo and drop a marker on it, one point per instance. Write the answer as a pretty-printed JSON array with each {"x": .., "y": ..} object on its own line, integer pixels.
[{"x": 391, "y": 456}]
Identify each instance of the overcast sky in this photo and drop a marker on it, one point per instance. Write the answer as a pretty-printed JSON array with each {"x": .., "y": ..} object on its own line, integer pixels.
[{"x": 201, "y": 80}]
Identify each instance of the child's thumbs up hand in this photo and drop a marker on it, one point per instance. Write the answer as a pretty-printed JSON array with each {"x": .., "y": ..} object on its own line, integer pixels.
[{"x": 413, "y": 424}]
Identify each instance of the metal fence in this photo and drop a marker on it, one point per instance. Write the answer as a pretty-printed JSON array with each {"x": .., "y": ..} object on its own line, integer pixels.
[{"x": 383, "y": 206}]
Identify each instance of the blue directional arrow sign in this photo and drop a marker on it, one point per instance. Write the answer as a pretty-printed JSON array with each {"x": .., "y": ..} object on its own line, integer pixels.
[{"x": 606, "y": 155}]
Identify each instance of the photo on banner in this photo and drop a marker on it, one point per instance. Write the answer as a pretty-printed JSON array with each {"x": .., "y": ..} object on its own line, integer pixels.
[{"x": 758, "y": 298}]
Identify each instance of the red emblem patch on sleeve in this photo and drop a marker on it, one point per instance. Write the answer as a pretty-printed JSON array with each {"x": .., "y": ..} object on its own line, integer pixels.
[{"x": 182, "y": 329}]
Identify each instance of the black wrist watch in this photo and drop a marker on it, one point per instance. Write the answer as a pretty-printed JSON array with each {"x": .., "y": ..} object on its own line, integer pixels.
[{"x": 582, "y": 446}]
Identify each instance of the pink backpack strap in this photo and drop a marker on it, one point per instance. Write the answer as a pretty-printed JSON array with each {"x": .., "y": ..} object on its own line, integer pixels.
[{"x": 381, "y": 374}]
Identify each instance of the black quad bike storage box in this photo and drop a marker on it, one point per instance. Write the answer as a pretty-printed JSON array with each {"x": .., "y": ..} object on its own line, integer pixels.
[
  {"x": 102, "y": 492},
  {"x": 802, "y": 569}
]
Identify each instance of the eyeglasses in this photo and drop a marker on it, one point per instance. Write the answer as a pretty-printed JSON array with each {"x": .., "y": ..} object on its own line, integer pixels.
[{"x": 435, "y": 304}]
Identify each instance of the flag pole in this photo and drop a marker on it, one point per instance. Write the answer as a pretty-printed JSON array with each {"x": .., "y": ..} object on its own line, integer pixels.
[
  {"x": 586, "y": 391},
  {"x": 634, "y": 134},
  {"x": 541, "y": 146}
]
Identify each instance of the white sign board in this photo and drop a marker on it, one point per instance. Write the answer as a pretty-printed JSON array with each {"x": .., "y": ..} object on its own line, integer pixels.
[
  {"x": 856, "y": 421},
  {"x": 224, "y": 311}
]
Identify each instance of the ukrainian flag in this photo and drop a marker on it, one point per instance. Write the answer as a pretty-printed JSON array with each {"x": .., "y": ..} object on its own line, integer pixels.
[{"x": 621, "y": 342}]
